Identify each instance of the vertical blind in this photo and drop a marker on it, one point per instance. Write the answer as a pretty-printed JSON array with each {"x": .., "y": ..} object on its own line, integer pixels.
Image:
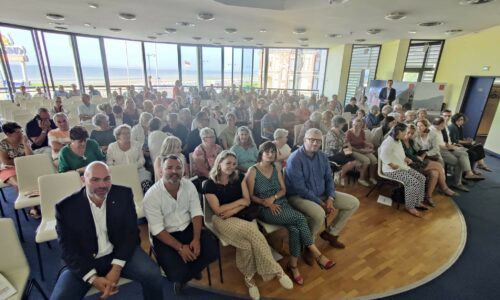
[{"x": 364, "y": 57}]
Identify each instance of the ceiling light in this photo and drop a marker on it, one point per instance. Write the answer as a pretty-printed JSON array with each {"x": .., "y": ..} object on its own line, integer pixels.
[
  {"x": 259, "y": 44},
  {"x": 57, "y": 23},
  {"x": 61, "y": 27},
  {"x": 337, "y": 1},
  {"x": 299, "y": 30},
  {"x": 93, "y": 5},
  {"x": 430, "y": 24},
  {"x": 475, "y": 2},
  {"x": 248, "y": 39},
  {"x": 216, "y": 43},
  {"x": 159, "y": 33},
  {"x": 231, "y": 41},
  {"x": 170, "y": 30},
  {"x": 304, "y": 45},
  {"x": 279, "y": 42},
  {"x": 184, "y": 24},
  {"x": 55, "y": 17},
  {"x": 397, "y": 15},
  {"x": 196, "y": 38},
  {"x": 373, "y": 31},
  {"x": 360, "y": 40},
  {"x": 127, "y": 16},
  {"x": 453, "y": 31},
  {"x": 152, "y": 37},
  {"x": 230, "y": 30},
  {"x": 262, "y": 30},
  {"x": 115, "y": 29},
  {"x": 412, "y": 32},
  {"x": 87, "y": 24},
  {"x": 205, "y": 16},
  {"x": 304, "y": 39},
  {"x": 334, "y": 35}
]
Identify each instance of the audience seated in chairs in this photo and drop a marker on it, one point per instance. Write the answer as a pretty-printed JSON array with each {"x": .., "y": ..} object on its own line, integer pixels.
[
  {"x": 227, "y": 194},
  {"x": 174, "y": 127},
  {"x": 37, "y": 130},
  {"x": 126, "y": 152},
  {"x": 204, "y": 155},
  {"x": 172, "y": 208},
  {"x": 284, "y": 150},
  {"x": 103, "y": 133},
  {"x": 313, "y": 122},
  {"x": 140, "y": 131},
  {"x": 86, "y": 110},
  {"x": 267, "y": 188},
  {"x": 270, "y": 122},
  {"x": 395, "y": 165},
  {"x": 58, "y": 107},
  {"x": 226, "y": 136},
  {"x": 80, "y": 152},
  {"x": 171, "y": 146},
  {"x": 380, "y": 133},
  {"x": 59, "y": 137},
  {"x": 362, "y": 151},
  {"x": 372, "y": 118},
  {"x": 433, "y": 170},
  {"x": 245, "y": 149},
  {"x": 302, "y": 113},
  {"x": 194, "y": 139},
  {"x": 338, "y": 150},
  {"x": 98, "y": 252},
  {"x": 130, "y": 113},
  {"x": 155, "y": 138}
]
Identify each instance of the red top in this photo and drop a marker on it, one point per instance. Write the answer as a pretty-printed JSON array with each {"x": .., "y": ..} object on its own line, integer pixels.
[{"x": 358, "y": 142}]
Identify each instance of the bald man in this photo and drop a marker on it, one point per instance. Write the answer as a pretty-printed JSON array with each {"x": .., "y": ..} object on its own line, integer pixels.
[{"x": 99, "y": 240}]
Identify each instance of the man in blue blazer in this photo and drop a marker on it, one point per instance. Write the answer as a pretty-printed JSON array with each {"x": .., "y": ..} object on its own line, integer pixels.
[
  {"x": 387, "y": 95},
  {"x": 99, "y": 239}
]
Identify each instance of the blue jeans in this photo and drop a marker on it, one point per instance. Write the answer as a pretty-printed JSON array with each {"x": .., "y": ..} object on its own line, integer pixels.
[{"x": 138, "y": 268}]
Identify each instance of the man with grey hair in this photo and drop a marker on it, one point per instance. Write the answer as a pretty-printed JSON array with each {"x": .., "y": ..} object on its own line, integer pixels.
[
  {"x": 269, "y": 122},
  {"x": 372, "y": 119},
  {"x": 172, "y": 208},
  {"x": 37, "y": 130},
  {"x": 59, "y": 137},
  {"x": 86, "y": 110},
  {"x": 310, "y": 189},
  {"x": 313, "y": 122},
  {"x": 175, "y": 128}
]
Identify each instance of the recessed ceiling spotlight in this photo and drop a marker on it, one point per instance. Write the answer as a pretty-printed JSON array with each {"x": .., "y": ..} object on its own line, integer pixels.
[
  {"x": 151, "y": 37},
  {"x": 230, "y": 30},
  {"x": 259, "y": 44},
  {"x": 93, "y": 5},
  {"x": 248, "y": 39},
  {"x": 373, "y": 31},
  {"x": 61, "y": 28},
  {"x": 205, "y": 16},
  {"x": 159, "y": 33},
  {"x": 453, "y": 31},
  {"x": 115, "y": 29},
  {"x": 337, "y": 1},
  {"x": 360, "y": 40},
  {"x": 397, "y": 15},
  {"x": 475, "y": 2},
  {"x": 216, "y": 43},
  {"x": 304, "y": 39},
  {"x": 87, "y": 24},
  {"x": 231, "y": 41},
  {"x": 430, "y": 24},
  {"x": 304, "y": 45},
  {"x": 221, "y": 38},
  {"x": 127, "y": 16},
  {"x": 184, "y": 24},
  {"x": 196, "y": 38},
  {"x": 57, "y": 23},
  {"x": 334, "y": 35},
  {"x": 412, "y": 32},
  {"x": 262, "y": 30},
  {"x": 299, "y": 30},
  {"x": 170, "y": 30},
  {"x": 279, "y": 42},
  {"x": 55, "y": 17}
]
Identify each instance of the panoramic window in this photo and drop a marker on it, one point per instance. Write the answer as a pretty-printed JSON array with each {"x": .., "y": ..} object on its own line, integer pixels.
[
  {"x": 228, "y": 66},
  {"x": 89, "y": 51},
  {"x": 189, "y": 62},
  {"x": 422, "y": 60},
  {"x": 61, "y": 59},
  {"x": 124, "y": 59},
  {"x": 212, "y": 66},
  {"x": 310, "y": 70},
  {"x": 258, "y": 68},
  {"x": 247, "y": 67},
  {"x": 162, "y": 65},
  {"x": 281, "y": 67}
]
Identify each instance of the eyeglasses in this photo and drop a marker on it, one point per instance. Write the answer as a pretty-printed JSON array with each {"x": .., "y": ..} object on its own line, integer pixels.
[{"x": 312, "y": 141}]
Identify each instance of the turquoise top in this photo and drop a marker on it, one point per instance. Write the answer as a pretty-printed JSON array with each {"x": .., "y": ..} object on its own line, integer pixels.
[{"x": 246, "y": 157}]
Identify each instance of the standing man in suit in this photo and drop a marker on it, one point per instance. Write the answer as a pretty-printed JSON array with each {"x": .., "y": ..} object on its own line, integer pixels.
[
  {"x": 99, "y": 239},
  {"x": 387, "y": 94}
]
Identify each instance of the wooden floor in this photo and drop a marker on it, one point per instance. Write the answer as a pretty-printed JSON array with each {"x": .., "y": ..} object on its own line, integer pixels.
[{"x": 387, "y": 251}]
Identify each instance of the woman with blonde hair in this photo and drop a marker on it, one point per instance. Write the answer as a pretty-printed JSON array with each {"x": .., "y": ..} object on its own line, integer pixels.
[
  {"x": 227, "y": 195},
  {"x": 245, "y": 149}
]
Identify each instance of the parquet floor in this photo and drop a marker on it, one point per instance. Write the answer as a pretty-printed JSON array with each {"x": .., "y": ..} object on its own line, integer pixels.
[{"x": 388, "y": 251}]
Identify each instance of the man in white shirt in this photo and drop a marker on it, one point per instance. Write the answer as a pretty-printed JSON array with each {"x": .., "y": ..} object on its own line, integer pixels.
[
  {"x": 86, "y": 110},
  {"x": 99, "y": 240},
  {"x": 74, "y": 91},
  {"x": 172, "y": 208},
  {"x": 22, "y": 96}
]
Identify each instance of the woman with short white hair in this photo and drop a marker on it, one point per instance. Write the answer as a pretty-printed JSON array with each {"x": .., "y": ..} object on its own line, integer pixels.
[
  {"x": 125, "y": 151},
  {"x": 140, "y": 131},
  {"x": 280, "y": 140},
  {"x": 204, "y": 154}
]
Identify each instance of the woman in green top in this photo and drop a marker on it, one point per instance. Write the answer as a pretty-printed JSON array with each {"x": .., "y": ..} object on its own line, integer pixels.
[
  {"x": 245, "y": 149},
  {"x": 433, "y": 170},
  {"x": 79, "y": 152}
]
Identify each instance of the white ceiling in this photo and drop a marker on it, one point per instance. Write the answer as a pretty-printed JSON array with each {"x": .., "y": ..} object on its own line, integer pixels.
[{"x": 350, "y": 19}]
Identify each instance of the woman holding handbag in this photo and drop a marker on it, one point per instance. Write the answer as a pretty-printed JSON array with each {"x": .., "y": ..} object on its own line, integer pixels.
[{"x": 227, "y": 195}]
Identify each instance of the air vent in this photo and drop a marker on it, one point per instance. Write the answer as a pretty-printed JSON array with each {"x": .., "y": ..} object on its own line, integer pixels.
[
  {"x": 230, "y": 30},
  {"x": 185, "y": 24},
  {"x": 393, "y": 16},
  {"x": 299, "y": 30},
  {"x": 453, "y": 31},
  {"x": 360, "y": 40},
  {"x": 127, "y": 16},
  {"x": 373, "y": 31},
  {"x": 206, "y": 16},
  {"x": 170, "y": 30},
  {"x": 55, "y": 17},
  {"x": 430, "y": 24},
  {"x": 115, "y": 29},
  {"x": 334, "y": 35},
  {"x": 475, "y": 2}
]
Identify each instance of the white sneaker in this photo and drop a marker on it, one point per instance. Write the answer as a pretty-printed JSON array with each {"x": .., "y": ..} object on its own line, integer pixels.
[
  {"x": 373, "y": 180},
  {"x": 342, "y": 182},
  {"x": 285, "y": 281},
  {"x": 363, "y": 182},
  {"x": 336, "y": 178},
  {"x": 254, "y": 293}
]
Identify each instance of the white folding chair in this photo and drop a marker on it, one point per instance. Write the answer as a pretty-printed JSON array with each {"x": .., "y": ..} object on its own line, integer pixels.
[
  {"x": 53, "y": 188},
  {"x": 28, "y": 169},
  {"x": 384, "y": 177},
  {"x": 13, "y": 263},
  {"x": 128, "y": 175}
]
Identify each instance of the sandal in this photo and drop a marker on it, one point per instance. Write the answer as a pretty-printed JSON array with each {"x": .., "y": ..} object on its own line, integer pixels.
[
  {"x": 414, "y": 212},
  {"x": 253, "y": 291},
  {"x": 484, "y": 167},
  {"x": 329, "y": 264},
  {"x": 450, "y": 193},
  {"x": 35, "y": 213},
  {"x": 297, "y": 279}
]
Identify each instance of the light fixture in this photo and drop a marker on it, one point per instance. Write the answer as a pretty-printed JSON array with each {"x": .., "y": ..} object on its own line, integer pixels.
[
  {"x": 360, "y": 40},
  {"x": 397, "y": 15},
  {"x": 170, "y": 30},
  {"x": 185, "y": 24},
  {"x": 430, "y": 24},
  {"x": 230, "y": 30},
  {"x": 159, "y": 33},
  {"x": 248, "y": 39},
  {"x": 259, "y": 44},
  {"x": 57, "y": 23},
  {"x": 334, "y": 35},
  {"x": 412, "y": 32},
  {"x": 115, "y": 29},
  {"x": 205, "y": 16},
  {"x": 151, "y": 37},
  {"x": 453, "y": 31},
  {"x": 127, "y": 16},
  {"x": 196, "y": 38},
  {"x": 474, "y": 2},
  {"x": 262, "y": 30},
  {"x": 61, "y": 27},
  {"x": 93, "y": 5},
  {"x": 303, "y": 39},
  {"x": 304, "y": 45},
  {"x": 55, "y": 17},
  {"x": 231, "y": 41},
  {"x": 337, "y": 1},
  {"x": 216, "y": 43},
  {"x": 87, "y": 24},
  {"x": 373, "y": 31},
  {"x": 279, "y": 42},
  {"x": 299, "y": 30}
]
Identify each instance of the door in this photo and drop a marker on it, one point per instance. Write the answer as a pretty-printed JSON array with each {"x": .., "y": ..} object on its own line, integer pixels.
[{"x": 474, "y": 103}]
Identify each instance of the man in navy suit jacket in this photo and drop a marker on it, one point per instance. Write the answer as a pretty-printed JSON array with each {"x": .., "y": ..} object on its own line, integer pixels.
[
  {"x": 99, "y": 239},
  {"x": 387, "y": 95}
]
